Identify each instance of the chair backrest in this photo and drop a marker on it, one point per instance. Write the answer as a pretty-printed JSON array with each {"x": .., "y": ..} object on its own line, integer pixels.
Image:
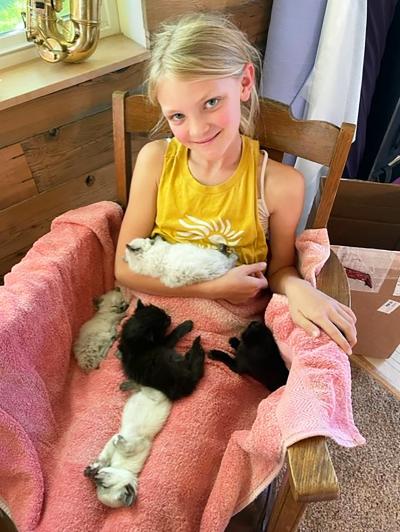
[{"x": 277, "y": 131}]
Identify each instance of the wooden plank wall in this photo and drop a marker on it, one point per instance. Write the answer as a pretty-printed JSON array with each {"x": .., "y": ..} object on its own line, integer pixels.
[
  {"x": 252, "y": 16},
  {"x": 56, "y": 151},
  {"x": 56, "y": 154}
]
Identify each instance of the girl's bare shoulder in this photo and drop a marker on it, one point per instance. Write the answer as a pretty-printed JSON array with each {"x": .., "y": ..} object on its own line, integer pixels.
[
  {"x": 154, "y": 150},
  {"x": 151, "y": 155},
  {"x": 283, "y": 183}
]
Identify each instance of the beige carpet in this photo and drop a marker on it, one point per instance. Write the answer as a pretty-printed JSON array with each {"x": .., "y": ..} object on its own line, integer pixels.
[{"x": 369, "y": 476}]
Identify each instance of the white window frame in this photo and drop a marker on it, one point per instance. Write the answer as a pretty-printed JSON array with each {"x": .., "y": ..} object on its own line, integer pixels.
[
  {"x": 131, "y": 20},
  {"x": 15, "y": 49}
]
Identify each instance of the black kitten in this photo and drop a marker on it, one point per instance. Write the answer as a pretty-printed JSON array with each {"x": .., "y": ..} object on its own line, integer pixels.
[
  {"x": 148, "y": 355},
  {"x": 256, "y": 355}
]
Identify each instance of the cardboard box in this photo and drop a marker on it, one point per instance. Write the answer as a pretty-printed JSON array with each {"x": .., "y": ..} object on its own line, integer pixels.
[
  {"x": 366, "y": 214},
  {"x": 374, "y": 279}
]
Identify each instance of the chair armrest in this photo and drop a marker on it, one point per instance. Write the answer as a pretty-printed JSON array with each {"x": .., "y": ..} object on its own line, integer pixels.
[
  {"x": 311, "y": 473},
  {"x": 310, "y": 478},
  {"x": 332, "y": 280}
]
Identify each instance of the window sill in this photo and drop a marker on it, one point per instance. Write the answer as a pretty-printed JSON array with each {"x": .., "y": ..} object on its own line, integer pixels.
[{"x": 37, "y": 78}]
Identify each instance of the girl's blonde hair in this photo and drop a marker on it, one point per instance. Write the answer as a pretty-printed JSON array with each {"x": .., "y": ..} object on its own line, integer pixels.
[{"x": 201, "y": 46}]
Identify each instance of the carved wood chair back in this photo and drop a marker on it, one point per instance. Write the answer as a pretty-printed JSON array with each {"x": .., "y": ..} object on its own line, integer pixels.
[{"x": 277, "y": 130}]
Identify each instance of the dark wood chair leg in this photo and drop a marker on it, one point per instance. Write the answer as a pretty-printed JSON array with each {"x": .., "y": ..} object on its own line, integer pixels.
[{"x": 286, "y": 512}]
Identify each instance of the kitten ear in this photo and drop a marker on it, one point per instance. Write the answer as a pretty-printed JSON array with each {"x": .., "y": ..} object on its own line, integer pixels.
[
  {"x": 128, "y": 495},
  {"x": 131, "y": 248},
  {"x": 139, "y": 304}
]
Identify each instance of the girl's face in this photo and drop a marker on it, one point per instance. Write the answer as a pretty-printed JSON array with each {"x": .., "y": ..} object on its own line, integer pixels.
[{"x": 204, "y": 115}]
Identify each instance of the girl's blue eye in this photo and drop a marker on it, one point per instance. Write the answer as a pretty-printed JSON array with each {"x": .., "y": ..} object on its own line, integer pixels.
[
  {"x": 211, "y": 103},
  {"x": 177, "y": 117}
]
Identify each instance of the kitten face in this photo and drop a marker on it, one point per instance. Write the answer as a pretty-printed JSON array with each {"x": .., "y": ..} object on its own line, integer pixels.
[
  {"x": 112, "y": 301},
  {"x": 148, "y": 325},
  {"x": 254, "y": 333},
  {"x": 140, "y": 244},
  {"x": 115, "y": 487}
]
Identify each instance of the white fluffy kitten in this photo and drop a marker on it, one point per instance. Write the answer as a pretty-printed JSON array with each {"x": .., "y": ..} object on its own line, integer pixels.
[
  {"x": 116, "y": 470},
  {"x": 176, "y": 264},
  {"x": 97, "y": 334}
]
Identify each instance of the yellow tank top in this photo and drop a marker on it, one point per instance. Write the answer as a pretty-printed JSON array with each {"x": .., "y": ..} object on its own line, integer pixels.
[{"x": 210, "y": 215}]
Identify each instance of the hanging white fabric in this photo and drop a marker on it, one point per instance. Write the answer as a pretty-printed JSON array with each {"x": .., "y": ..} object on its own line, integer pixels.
[{"x": 333, "y": 90}]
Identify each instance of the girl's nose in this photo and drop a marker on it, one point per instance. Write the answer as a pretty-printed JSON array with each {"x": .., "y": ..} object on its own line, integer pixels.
[{"x": 198, "y": 129}]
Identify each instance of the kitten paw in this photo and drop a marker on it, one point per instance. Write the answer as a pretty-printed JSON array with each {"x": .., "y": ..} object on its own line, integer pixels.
[
  {"x": 234, "y": 342},
  {"x": 211, "y": 354},
  {"x": 91, "y": 470},
  {"x": 119, "y": 441},
  {"x": 103, "y": 478},
  {"x": 129, "y": 385},
  {"x": 187, "y": 325}
]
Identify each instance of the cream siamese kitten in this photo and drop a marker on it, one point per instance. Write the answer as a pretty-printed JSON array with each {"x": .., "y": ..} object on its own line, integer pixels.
[{"x": 116, "y": 469}]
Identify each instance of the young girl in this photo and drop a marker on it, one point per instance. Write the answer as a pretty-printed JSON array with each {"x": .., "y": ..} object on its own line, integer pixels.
[{"x": 211, "y": 184}]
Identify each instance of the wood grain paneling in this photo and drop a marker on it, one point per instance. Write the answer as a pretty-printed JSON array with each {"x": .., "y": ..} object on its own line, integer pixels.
[
  {"x": 252, "y": 16},
  {"x": 62, "y": 107},
  {"x": 16, "y": 183},
  {"x": 25, "y": 222},
  {"x": 72, "y": 150},
  {"x": 6, "y": 263},
  {"x": 48, "y": 147},
  {"x": 253, "y": 19}
]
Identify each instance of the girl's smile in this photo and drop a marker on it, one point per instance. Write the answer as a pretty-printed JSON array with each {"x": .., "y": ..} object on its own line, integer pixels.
[{"x": 207, "y": 141}]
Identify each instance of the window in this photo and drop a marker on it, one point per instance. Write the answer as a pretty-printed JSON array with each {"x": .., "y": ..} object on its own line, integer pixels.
[
  {"x": 14, "y": 48},
  {"x": 10, "y": 15}
]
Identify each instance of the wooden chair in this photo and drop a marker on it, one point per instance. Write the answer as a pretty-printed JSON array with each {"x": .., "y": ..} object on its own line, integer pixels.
[{"x": 310, "y": 473}]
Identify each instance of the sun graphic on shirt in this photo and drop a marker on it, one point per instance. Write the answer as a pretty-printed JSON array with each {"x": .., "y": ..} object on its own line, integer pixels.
[{"x": 216, "y": 232}]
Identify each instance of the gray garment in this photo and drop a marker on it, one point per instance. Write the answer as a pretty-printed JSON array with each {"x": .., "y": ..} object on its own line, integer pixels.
[{"x": 292, "y": 43}]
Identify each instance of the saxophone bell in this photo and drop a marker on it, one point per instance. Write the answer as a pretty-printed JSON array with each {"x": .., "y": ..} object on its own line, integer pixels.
[{"x": 57, "y": 39}]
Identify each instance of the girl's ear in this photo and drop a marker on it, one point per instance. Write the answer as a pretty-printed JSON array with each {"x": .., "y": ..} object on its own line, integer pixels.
[{"x": 247, "y": 81}]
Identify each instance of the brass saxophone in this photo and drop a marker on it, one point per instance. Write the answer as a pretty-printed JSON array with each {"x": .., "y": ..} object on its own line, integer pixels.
[{"x": 71, "y": 40}]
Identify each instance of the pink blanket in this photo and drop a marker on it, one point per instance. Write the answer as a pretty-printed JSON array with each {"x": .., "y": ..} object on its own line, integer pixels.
[{"x": 220, "y": 447}]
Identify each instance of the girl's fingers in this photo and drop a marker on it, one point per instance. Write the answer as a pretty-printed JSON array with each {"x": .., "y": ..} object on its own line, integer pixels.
[
  {"x": 249, "y": 269},
  {"x": 337, "y": 334},
  {"x": 346, "y": 325},
  {"x": 261, "y": 282},
  {"x": 306, "y": 324},
  {"x": 331, "y": 329},
  {"x": 263, "y": 279},
  {"x": 348, "y": 312}
]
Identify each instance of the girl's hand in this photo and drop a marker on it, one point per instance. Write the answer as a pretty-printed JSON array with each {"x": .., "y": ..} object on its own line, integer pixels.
[
  {"x": 243, "y": 282},
  {"x": 311, "y": 309}
]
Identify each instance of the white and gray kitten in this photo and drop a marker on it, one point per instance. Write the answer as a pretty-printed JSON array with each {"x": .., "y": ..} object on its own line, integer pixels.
[
  {"x": 116, "y": 470},
  {"x": 177, "y": 264}
]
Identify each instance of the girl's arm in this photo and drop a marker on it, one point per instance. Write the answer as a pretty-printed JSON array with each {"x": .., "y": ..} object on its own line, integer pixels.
[
  {"x": 239, "y": 284},
  {"x": 309, "y": 308}
]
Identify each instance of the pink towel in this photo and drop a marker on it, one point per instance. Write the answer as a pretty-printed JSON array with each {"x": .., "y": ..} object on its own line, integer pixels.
[
  {"x": 315, "y": 401},
  {"x": 44, "y": 301},
  {"x": 220, "y": 446}
]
